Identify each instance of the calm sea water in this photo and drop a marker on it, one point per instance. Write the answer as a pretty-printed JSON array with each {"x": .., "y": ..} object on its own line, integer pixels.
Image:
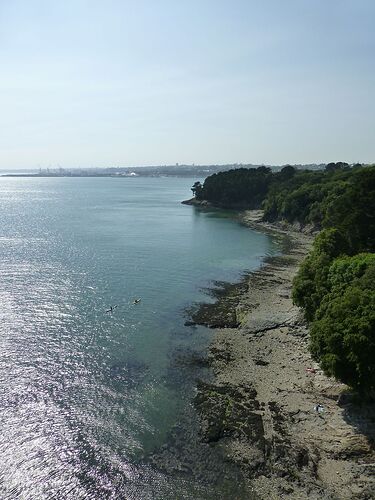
[{"x": 85, "y": 394}]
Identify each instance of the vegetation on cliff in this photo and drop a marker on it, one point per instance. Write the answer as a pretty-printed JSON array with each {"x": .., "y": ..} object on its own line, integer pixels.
[
  {"x": 335, "y": 284},
  {"x": 245, "y": 187},
  {"x": 337, "y": 293}
]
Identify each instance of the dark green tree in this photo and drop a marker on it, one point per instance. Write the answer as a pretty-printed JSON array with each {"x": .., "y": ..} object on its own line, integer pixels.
[
  {"x": 311, "y": 282},
  {"x": 287, "y": 172},
  {"x": 197, "y": 190},
  {"x": 343, "y": 333},
  {"x": 352, "y": 210}
]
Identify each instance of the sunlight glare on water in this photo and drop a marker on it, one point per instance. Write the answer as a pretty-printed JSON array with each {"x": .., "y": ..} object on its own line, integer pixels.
[{"x": 85, "y": 394}]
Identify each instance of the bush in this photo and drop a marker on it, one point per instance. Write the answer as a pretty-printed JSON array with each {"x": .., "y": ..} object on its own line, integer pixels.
[
  {"x": 343, "y": 333},
  {"x": 311, "y": 283},
  {"x": 352, "y": 209},
  {"x": 241, "y": 187},
  {"x": 343, "y": 339}
]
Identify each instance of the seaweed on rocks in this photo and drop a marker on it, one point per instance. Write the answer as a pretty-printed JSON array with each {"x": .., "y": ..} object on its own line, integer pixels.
[
  {"x": 228, "y": 411},
  {"x": 184, "y": 454},
  {"x": 221, "y": 313}
]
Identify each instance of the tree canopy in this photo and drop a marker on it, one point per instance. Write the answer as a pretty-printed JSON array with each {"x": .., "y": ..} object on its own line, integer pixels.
[
  {"x": 343, "y": 332},
  {"x": 241, "y": 187}
]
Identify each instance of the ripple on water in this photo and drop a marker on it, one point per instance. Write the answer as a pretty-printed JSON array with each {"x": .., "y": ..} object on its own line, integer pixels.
[{"x": 85, "y": 396}]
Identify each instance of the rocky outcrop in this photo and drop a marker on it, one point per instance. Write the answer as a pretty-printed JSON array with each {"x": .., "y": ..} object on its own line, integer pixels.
[
  {"x": 223, "y": 313},
  {"x": 197, "y": 203}
]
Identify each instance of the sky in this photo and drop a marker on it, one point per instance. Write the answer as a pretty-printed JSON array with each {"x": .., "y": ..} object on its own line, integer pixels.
[{"x": 89, "y": 83}]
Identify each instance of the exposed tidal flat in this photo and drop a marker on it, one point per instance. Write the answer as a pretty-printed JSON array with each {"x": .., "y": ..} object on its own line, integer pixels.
[
  {"x": 292, "y": 431},
  {"x": 95, "y": 404}
]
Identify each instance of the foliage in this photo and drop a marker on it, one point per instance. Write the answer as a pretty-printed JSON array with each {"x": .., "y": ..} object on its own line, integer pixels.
[
  {"x": 340, "y": 197},
  {"x": 245, "y": 187},
  {"x": 352, "y": 209},
  {"x": 332, "y": 167},
  {"x": 345, "y": 270},
  {"x": 311, "y": 282},
  {"x": 343, "y": 333},
  {"x": 287, "y": 172},
  {"x": 338, "y": 296},
  {"x": 197, "y": 190}
]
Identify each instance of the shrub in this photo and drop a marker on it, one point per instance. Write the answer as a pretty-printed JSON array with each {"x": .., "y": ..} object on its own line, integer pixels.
[
  {"x": 311, "y": 283},
  {"x": 343, "y": 333},
  {"x": 343, "y": 340}
]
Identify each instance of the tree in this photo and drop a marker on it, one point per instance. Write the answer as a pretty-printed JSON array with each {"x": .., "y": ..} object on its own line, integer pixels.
[
  {"x": 197, "y": 189},
  {"x": 332, "y": 167},
  {"x": 241, "y": 187},
  {"x": 343, "y": 340},
  {"x": 287, "y": 172},
  {"x": 311, "y": 282},
  {"x": 352, "y": 210},
  {"x": 342, "y": 334}
]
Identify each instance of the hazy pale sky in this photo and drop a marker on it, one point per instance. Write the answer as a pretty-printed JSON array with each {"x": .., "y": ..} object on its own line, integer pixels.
[{"x": 118, "y": 82}]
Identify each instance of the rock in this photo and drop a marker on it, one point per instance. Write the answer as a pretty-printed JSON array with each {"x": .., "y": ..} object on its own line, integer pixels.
[
  {"x": 231, "y": 411},
  {"x": 189, "y": 357},
  {"x": 222, "y": 353},
  {"x": 353, "y": 446},
  {"x": 197, "y": 203},
  {"x": 345, "y": 398},
  {"x": 223, "y": 312},
  {"x": 261, "y": 362}
]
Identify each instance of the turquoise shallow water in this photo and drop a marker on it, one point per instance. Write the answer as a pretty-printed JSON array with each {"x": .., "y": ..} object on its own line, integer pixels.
[{"x": 85, "y": 395}]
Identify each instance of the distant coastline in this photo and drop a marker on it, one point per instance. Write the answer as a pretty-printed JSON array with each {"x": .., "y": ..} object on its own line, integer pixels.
[{"x": 178, "y": 170}]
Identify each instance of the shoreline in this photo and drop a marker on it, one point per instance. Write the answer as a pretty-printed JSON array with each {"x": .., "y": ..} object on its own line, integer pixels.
[{"x": 261, "y": 408}]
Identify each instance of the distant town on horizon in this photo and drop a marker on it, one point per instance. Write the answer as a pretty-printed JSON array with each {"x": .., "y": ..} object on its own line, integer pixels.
[{"x": 177, "y": 170}]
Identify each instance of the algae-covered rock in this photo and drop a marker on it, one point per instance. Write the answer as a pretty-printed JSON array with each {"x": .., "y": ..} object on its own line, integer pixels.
[{"x": 229, "y": 411}]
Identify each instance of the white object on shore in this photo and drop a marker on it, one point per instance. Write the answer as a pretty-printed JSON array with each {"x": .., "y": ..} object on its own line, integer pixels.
[{"x": 319, "y": 408}]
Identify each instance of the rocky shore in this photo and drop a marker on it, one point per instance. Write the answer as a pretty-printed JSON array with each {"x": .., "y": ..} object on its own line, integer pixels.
[{"x": 294, "y": 432}]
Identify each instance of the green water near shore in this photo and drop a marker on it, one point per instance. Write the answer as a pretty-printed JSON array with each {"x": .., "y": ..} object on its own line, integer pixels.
[{"x": 85, "y": 394}]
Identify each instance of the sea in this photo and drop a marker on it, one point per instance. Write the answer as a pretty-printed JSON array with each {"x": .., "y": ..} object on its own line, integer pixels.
[{"x": 89, "y": 396}]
